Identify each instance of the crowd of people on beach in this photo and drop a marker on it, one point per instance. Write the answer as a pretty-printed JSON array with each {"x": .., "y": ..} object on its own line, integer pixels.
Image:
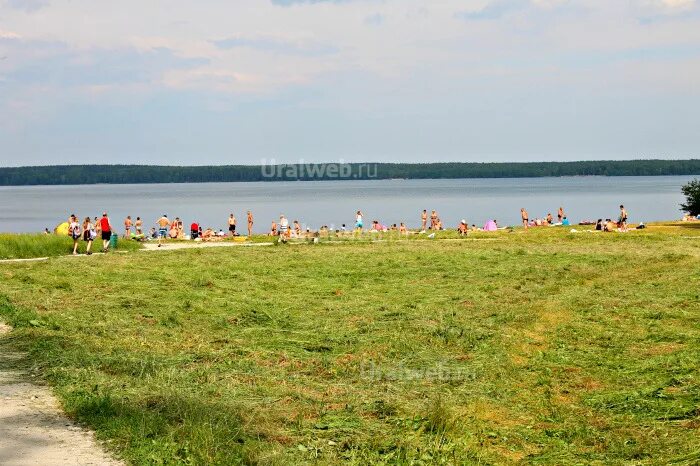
[{"x": 89, "y": 230}]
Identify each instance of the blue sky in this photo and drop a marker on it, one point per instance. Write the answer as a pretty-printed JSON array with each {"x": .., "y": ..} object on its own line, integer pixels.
[{"x": 247, "y": 81}]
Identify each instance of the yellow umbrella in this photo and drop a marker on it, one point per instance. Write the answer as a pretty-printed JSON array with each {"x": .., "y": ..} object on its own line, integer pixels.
[{"x": 61, "y": 229}]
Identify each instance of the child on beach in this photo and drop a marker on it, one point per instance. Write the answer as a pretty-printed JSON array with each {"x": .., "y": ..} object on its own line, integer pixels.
[{"x": 250, "y": 224}]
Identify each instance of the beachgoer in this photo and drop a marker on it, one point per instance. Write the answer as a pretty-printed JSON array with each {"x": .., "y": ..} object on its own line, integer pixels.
[
  {"x": 402, "y": 229},
  {"x": 358, "y": 220},
  {"x": 46, "y": 231},
  {"x": 250, "y": 224},
  {"x": 610, "y": 226},
  {"x": 283, "y": 228},
  {"x": 163, "y": 224},
  {"x": 424, "y": 219},
  {"x": 599, "y": 225},
  {"x": 89, "y": 234},
  {"x": 462, "y": 228},
  {"x": 525, "y": 217},
  {"x": 550, "y": 219},
  {"x": 74, "y": 232},
  {"x": 106, "y": 229},
  {"x": 565, "y": 221},
  {"x": 560, "y": 214},
  {"x": 194, "y": 230},
  {"x": 232, "y": 225},
  {"x": 273, "y": 229},
  {"x": 433, "y": 219},
  {"x": 297, "y": 228},
  {"x": 622, "y": 220},
  {"x": 139, "y": 225},
  {"x": 179, "y": 228},
  {"x": 127, "y": 227}
]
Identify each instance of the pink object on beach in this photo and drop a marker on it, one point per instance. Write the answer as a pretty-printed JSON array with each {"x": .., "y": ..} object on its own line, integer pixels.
[{"x": 490, "y": 226}]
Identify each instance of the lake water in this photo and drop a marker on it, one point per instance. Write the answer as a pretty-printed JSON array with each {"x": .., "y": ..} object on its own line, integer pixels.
[{"x": 316, "y": 203}]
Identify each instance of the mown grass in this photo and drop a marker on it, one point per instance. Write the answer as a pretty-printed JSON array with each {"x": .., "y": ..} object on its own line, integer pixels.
[
  {"x": 543, "y": 347},
  {"x": 27, "y": 246}
]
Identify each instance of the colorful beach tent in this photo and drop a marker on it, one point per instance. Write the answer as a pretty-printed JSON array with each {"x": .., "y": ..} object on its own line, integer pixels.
[
  {"x": 490, "y": 226},
  {"x": 61, "y": 229}
]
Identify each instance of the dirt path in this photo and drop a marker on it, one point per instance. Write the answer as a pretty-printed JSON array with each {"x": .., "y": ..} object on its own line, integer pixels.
[{"x": 33, "y": 430}]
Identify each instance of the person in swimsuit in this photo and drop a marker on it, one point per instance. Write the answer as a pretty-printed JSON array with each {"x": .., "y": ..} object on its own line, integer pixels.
[
  {"x": 232, "y": 225},
  {"x": 525, "y": 217},
  {"x": 127, "y": 227},
  {"x": 273, "y": 229},
  {"x": 424, "y": 220},
  {"x": 138, "y": 225},
  {"x": 250, "y": 224},
  {"x": 433, "y": 219},
  {"x": 560, "y": 214},
  {"x": 358, "y": 220},
  {"x": 163, "y": 224}
]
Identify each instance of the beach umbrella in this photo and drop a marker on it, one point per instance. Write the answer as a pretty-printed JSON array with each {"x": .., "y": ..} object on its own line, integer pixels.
[{"x": 61, "y": 229}]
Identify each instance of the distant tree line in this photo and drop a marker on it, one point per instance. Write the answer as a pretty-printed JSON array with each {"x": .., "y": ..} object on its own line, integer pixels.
[{"x": 123, "y": 174}]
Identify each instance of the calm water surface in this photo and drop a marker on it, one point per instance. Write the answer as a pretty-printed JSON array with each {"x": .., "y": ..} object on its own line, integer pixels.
[{"x": 316, "y": 203}]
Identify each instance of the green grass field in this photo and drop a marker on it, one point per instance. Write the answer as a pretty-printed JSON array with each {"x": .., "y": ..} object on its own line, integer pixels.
[
  {"x": 14, "y": 246},
  {"x": 541, "y": 347}
]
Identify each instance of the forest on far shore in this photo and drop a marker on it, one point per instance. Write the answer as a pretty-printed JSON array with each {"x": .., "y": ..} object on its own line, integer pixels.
[{"x": 128, "y": 174}]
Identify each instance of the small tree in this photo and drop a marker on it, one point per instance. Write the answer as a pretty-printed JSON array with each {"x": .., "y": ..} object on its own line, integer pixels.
[{"x": 691, "y": 191}]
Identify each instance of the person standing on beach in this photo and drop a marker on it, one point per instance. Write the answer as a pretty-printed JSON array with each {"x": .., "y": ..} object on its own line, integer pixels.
[
  {"x": 622, "y": 221},
  {"x": 127, "y": 227},
  {"x": 74, "y": 232},
  {"x": 525, "y": 217},
  {"x": 232, "y": 225},
  {"x": 284, "y": 228},
  {"x": 139, "y": 225},
  {"x": 163, "y": 224},
  {"x": 89, "y": 234},
  {"x": 250, "y": 224},
  {"x": 424, "y": 220},
  {"x": 433, "y": 219},
  {"x": 560, "y": 214},
  {"x": 106, "y": 229},
  {"x": 358, "y": 220}
]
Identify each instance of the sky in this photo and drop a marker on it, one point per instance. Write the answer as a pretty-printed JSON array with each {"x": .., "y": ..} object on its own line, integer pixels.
[{"x": 184, "y": 82}]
